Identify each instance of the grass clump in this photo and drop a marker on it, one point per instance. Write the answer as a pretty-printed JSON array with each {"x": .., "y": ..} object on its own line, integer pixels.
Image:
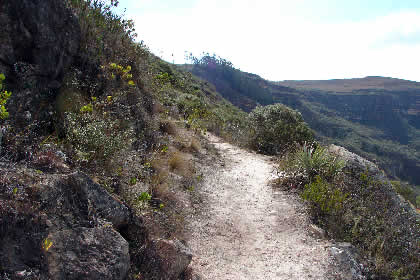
[
  {"x": 168, "y": 127},
  {"x": 195, "y": 145},
  {"x": 320, "y": 174},
  {"x": 179, "y": 164},
  {"x": 312, "y": 160}
]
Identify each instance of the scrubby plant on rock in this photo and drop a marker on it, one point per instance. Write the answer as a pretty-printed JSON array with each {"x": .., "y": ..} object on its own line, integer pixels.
[
  {"x": 317, "y": 175},
  {"x": 311, "y": 160},
  {"x": 276, "y": 128},
  {"x": 356, "y": 203}
]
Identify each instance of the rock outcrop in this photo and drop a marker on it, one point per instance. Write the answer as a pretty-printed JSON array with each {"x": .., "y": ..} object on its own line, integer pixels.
[
  {"x": 377, "y": 221},
  {"x": 348, "y": 262},
  {"x": 56, "y": 225},
  {"x": 87, "y": 253},
  {"x": 39, "y": 41},
  {"x": 166, "y": 259},
  {"x": 41, "y": 33}
]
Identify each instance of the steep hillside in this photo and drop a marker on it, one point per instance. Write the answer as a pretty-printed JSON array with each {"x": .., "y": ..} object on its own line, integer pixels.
[
  {"x": 99, "y": 143},
  {"x": 375, "y": 117}
]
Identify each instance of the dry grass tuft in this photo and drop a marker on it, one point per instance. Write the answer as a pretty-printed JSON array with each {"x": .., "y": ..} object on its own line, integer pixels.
[
  {"x": 159, "y": 165},
  {"x": 195, "y": 145},
  {"x": 179, "y": 164},
  {"x": 164, "y": 194}
]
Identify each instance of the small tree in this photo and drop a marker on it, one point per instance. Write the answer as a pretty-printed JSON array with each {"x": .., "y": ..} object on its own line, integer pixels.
[{"x": 276, "y": 128}]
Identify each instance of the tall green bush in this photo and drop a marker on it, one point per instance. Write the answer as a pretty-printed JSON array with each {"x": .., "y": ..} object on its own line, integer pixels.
[
  {"x": 324, "y": 198},
  {"x": 276, "y": 128}
]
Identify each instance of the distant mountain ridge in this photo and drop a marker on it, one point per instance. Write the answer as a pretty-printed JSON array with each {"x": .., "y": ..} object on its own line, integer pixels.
[{"x": 349, "y": 85}]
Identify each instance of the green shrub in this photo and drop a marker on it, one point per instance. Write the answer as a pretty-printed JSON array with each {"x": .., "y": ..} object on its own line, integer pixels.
[
  {"x": 323, "y": 196},
  {"x": 142, "y": 200},
  {"x": 133, "y": 181},
  {"x": 276, "y": 128},
  {"x": 144, "y": 197},
  {"x": 95, "y": 137},
  {"x": 194, "y": 111}
]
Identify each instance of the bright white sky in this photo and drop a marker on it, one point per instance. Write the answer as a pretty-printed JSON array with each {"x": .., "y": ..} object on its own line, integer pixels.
[{"x": 287, "y": 39}]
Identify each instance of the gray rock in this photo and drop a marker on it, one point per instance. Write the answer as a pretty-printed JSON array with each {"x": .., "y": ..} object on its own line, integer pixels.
[
  {"x": 75, "y": 200},
  {"x": 317, "y": 232},
  {"x": 346, "y": 259},
  {"x": 87, "y": 253},
  {"x": 353, "y": 159},
  {"x": 104, "y": 205}
]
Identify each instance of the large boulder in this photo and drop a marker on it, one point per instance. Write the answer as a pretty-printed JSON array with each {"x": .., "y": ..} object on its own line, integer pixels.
[
  {"x": 105, "y": 205},
  {"x": 355, "y": 161},
  {"x": 65, "y": 226},
  {"x": 74, "y": 215},
  {"x": 87, "y": 253},
  {"x": 75, "y": 200},
  {"x": 21, "y": 235}
]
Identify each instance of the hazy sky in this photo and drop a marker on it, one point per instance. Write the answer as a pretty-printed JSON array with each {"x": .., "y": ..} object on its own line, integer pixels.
[{"x": 287, "y": 40}]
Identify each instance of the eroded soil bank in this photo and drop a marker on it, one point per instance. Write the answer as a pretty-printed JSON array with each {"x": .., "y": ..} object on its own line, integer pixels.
[{"x": 248, "y": 230}]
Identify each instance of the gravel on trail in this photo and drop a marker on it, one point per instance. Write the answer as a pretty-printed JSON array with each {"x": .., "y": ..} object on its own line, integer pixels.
[{"x": 248, "y": 230}]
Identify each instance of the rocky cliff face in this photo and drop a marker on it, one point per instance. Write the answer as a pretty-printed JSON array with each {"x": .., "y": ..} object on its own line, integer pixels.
[
  {"x": 391, "y": 112},
  {"x": 55, "y": 222},
  {"x": 43, "y": 34}
]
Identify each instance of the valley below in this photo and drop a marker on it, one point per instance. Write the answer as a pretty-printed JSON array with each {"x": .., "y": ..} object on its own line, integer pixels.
[{"x": 375, "y": 117}]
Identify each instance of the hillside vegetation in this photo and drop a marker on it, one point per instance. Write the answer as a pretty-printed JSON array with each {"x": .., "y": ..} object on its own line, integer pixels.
[{"x": 101, "y": 147}]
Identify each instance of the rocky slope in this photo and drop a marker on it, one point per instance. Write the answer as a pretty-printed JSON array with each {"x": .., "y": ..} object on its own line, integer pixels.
[{"x": 55, "y": 221}]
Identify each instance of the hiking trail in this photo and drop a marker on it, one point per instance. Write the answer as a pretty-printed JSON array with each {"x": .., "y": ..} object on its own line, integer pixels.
[{"x": 247, "y": 229}]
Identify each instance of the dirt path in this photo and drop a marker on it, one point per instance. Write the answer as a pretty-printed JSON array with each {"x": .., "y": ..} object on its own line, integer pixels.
[{"x": 247, "y": 230}]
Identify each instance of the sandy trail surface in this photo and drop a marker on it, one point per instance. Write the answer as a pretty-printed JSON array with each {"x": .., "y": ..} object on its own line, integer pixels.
[{"x": 247, "y": 229}]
